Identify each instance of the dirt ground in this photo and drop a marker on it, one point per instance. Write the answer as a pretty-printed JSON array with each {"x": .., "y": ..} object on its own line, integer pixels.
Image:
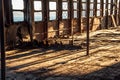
[{"x": 69, "y": 62}]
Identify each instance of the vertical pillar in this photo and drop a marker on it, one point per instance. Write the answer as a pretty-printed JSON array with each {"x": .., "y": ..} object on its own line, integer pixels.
[
  {"x": 79, "y": 14},
  {"x": 116, "y": 12},
  {"x": 111, "y": 7},
  {"x": 115, "y": 9},
  {"x": 70, "y": 15},
  {"x": 101, "y": 12},
  {"x": 95, "y": 8},
  {"x": 45, "y": 13},
  {"x": 106, "y": 15},
  {"x": 111, "y": 10},
  {"x": 59, "y": 14},
  {"x": 88, "y": 25},
  {"x": 119, "y": 13},
  {"x": 31, "y": 19},
  {"x": 101, "y": 7},
  {"x": 2, "y": 47}
]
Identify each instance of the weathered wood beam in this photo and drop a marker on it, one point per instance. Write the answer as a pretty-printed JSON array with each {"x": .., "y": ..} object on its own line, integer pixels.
[{"x": 2, "y": 41}]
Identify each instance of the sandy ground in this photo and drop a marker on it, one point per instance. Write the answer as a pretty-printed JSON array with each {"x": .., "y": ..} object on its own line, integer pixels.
[{"x": 67, "y": 62}]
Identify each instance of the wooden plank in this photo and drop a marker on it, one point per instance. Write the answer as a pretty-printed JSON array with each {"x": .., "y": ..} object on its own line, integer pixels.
[{"x": 2, "y": 47}]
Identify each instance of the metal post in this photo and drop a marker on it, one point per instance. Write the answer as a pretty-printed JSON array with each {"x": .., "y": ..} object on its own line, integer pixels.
[
  {"x": 87, "y": 15},
  {"x": 2, "y": 47}
]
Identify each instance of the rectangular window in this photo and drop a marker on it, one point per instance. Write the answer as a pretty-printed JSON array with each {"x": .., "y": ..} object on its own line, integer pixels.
[
  {"x": 52, "y": 15},
  {"x": 52, "y": 6},
  {"x": 75, "y": 14},
  {"x": 75, "y": 5},
  {"x": 83, "y": 13},
  {"x": 17, "y": 4},
  {"x": 65, "y": 5},
  {"x": 98, "y": 6},
  {"x": 98, "y": 13},
  {"x": 91, "y": 6},
  {"x": 38, "y": 15},
  {"x": 64, "y": 14},
  {"x": 91, "y": 13},
  {"x": 84, "y": 0},
  {"x": 18, "y": 10},
  {"x": 37, "y": 5},
  {"x": 18, "y": 16},
  {"x": 84, "y": 6}
]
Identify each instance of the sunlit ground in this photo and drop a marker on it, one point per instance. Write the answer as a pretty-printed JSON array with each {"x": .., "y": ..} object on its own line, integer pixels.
[{"x": 69, "y": 63}]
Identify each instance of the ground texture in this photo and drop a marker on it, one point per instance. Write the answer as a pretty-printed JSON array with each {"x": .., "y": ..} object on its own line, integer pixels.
[{"x": 69, "y": 62}]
